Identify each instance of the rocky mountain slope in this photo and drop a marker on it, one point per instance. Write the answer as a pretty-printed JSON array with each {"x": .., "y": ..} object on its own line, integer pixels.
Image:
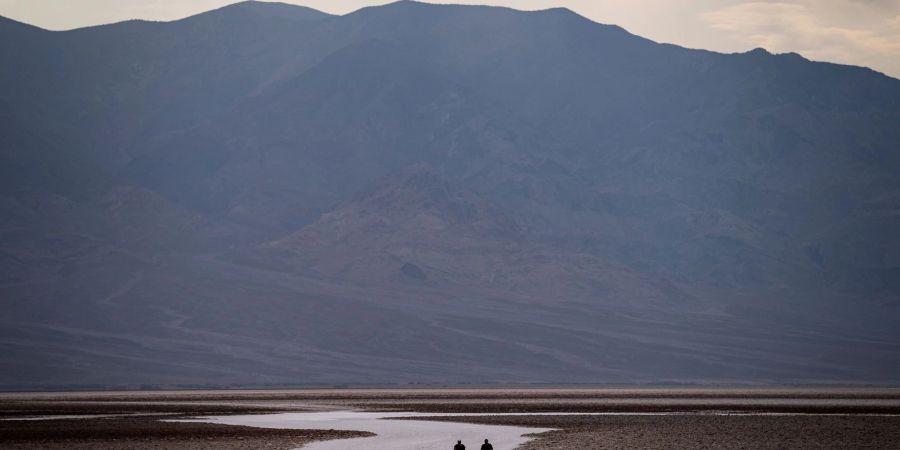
[{"x": 266, "y": 194}]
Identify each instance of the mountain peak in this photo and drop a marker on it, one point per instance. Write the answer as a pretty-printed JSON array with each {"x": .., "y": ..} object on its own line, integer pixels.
[
  {"x": 270, "y": 10},
  {"x": 10, "y": 24},
  {"x": 759, "y": 51},
  {"x": 282, "y": 10}
]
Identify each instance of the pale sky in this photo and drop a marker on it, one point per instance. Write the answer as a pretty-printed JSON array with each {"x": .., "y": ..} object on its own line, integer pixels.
[{"x": 860, "y": 32}]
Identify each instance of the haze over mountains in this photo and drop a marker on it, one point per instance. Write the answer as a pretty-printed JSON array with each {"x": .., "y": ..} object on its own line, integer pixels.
[{"x": 267, "y": 194}]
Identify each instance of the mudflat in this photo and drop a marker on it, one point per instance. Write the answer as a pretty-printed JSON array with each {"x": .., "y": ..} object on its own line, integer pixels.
[{"x": 611, "y": 418}]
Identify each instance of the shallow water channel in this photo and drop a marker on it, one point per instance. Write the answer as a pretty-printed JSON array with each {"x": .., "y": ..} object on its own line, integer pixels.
[{"x": 391, "y": 434}]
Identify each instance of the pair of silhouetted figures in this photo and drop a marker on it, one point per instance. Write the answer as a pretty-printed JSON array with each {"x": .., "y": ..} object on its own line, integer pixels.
[{"x": 486, "y": 446}]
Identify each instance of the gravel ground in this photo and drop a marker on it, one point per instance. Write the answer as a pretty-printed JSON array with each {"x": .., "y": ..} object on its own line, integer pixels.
[
  {"x": 143, "y": 428},
  {"x": 141, "y": 433},
  {"x": 707, "y": 431}
]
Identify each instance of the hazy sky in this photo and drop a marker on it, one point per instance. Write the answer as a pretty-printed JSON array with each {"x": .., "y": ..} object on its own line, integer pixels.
[{"x": 862, "y": 32}]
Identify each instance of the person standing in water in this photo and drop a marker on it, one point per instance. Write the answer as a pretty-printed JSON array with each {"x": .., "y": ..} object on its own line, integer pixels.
[
  {"x": 487, "y": 445},
  {"x": 459, "y": 446}
]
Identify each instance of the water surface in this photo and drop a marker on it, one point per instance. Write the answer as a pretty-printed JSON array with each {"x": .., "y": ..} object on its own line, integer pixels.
[{"x": 391, "y": 434}]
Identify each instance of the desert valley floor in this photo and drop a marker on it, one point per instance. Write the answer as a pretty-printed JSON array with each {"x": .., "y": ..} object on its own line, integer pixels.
[{"x": 576, "y": 418}]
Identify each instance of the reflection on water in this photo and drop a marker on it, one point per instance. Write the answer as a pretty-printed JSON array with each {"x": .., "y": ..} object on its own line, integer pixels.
[{"x": 391, "y": 434}]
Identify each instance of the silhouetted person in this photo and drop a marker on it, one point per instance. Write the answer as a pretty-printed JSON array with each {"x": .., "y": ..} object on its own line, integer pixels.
[
  {"x": 459, "y": 446},
  {"x": 487, "y": 445}
]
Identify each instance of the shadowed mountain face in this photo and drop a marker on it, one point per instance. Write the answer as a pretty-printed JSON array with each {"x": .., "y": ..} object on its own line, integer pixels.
[{"x": 266, "y": 194}]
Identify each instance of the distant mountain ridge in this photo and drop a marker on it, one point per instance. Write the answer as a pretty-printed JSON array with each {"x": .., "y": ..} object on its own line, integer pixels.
[
  {"x": 282, "y": 10},
  {"x": 268, "y": 194}
]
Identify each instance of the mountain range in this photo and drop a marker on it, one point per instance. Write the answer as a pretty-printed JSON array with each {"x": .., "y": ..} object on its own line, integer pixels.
[{"x": 265, "y": 194}]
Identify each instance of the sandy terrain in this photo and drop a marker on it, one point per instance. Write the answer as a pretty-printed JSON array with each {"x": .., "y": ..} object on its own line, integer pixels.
[{"x": 860, "y": 418}]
